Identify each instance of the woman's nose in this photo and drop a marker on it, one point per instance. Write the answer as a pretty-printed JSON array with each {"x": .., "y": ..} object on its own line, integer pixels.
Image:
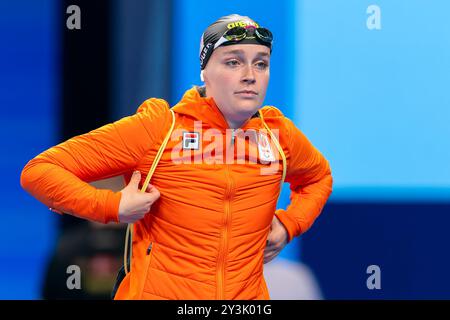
[{"x": 248, "y": 75}]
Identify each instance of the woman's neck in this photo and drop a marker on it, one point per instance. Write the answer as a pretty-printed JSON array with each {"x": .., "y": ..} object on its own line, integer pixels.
[{"x": 232, "y": 124}]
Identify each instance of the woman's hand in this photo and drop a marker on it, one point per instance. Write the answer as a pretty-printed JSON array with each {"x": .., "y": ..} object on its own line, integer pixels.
[
  {"x": 134, "y": 204},
  {"x": 276, "y": 241}
]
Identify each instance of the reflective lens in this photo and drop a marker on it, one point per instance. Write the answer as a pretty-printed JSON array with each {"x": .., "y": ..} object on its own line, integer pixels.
[
  {"x": 235, "y": 34},
  {"x": 264, "y": 34}
]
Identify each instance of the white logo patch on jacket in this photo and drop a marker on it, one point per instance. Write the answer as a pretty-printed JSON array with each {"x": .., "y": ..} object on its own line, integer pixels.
[
  {"x": 191, "y": 140},
  {"x": 264, "y": 149}
]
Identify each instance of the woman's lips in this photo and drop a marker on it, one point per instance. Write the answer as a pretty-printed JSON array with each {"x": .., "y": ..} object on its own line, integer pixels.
[{"x": 247, "y": 93}]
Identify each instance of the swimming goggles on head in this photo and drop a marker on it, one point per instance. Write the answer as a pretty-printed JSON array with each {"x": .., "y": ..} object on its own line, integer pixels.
[{"x": 237, "y": 34}]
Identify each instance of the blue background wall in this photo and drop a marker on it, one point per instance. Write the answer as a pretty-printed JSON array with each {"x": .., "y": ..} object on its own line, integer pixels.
[
  {"x": 29, "y": 92},
  {"x": 376, "y": 103}
]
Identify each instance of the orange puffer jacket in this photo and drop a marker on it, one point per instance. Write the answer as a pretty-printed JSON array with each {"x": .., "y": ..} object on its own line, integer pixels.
[{"x": 204, "y": 238}]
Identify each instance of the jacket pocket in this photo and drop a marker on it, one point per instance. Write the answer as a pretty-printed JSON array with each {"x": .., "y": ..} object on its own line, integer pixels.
[
  {"x": 148, "y": 258},
  {"x": 150, "y": 249},
  {"x": 149, "y": 255}
]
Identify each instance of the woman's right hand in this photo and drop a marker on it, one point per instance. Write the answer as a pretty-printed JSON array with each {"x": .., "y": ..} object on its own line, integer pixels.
[{"x": 134, "y": 204}]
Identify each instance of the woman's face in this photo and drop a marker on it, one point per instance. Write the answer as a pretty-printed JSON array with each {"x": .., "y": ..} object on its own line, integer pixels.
[{"x": 237, "y": 76}]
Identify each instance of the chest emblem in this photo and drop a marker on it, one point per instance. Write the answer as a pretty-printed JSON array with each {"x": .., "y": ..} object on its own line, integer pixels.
[
  {"x": 264, "y": 149},
  {"x": 191, "y": 140}
]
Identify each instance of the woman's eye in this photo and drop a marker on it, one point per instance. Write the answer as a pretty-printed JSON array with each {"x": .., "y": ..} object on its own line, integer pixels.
[
  {"x": 262, "y": 65},
  {"x": 232, "y": 63}
]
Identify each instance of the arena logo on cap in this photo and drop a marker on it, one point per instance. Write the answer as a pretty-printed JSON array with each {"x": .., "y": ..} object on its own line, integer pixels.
[{"x": 242, "y": 23}]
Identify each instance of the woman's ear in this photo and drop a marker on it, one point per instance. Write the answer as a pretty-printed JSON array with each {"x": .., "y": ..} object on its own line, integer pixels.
[{"x": 201, "y": 76}]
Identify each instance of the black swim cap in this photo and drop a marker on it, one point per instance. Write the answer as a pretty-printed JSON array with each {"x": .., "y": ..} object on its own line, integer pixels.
[{"x": 216, "y": 30}]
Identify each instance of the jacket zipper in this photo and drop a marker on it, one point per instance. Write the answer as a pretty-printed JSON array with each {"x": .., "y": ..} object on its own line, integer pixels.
[
  {"x": 233, "y": 136},
  {"x": 149, "y": 249},
  {"x": 223, "y": 249},
  {"x": 224, "y": 239}
]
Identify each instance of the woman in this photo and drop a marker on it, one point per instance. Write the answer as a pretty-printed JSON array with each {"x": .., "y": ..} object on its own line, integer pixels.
[{"x": 208, "y": 221}]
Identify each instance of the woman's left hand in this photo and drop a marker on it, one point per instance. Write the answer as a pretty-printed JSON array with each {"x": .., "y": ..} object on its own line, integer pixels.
[{"x": 276, "y": 240}]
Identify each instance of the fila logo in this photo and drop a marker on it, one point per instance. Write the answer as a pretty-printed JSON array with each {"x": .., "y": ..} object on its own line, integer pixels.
[{"x": 191, "y": 140}]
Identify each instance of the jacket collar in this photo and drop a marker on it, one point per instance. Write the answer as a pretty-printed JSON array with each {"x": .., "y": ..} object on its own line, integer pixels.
[{"x": 206, "y": 110}]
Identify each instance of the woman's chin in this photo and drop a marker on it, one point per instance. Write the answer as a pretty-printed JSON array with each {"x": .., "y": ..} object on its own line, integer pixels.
[{"x": 248, "y": 105}]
